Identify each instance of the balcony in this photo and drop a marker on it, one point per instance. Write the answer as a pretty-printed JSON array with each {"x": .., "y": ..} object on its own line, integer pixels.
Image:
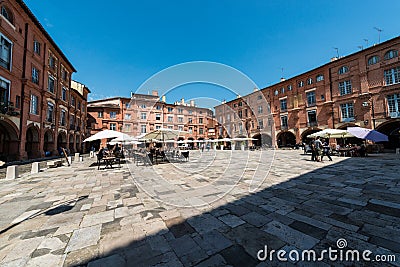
[
  {"x": 8, "y": 108},
  {"x": 394, "y": 115},
  {"x": 312, "y": 124}
]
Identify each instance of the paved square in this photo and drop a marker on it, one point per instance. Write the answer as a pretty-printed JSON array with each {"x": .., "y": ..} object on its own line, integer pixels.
[{"x": 220, "y": 208}]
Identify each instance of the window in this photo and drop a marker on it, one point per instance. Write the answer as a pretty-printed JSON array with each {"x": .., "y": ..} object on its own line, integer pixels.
[
  {"x": 142, "y": 129},
  {"x": 312, "y": 118},
  {"x": 100, "y": 114},
  {"x": 260, "y": 124},
  {"x": 128, "y": 105},
  {"x": 7, "y": 14},
  {"x": 170, "y": 119},
  {"x": 50, "y": 112},
  {"x": 158, "y": 117},
  {"x": 240, "y": 114},
  {"x": 158, "y": 107},
  {"x": 190, "y": 130},
  {"x": 228, "y": 117},
  {"x": 50, "y": 85},
  {"x": 373, "y": 60},
  {"x": 180, "y": 128},
  {"x": 4, "y": 90},
  {"x": 319, "y": 78},
  {"x": 283, "y": 104},
  {"x": 309, "y": 81},
  {"x": 190, "y": 112},
  {"x": 143, "y": 105},
  {"x": 36, "y": 47},
  {"x": 240, "y": 104},
  {"x": 240, "y": 128},
  {"x": 170, "y": 127},
  {"x": 289, "y": 87},
  {"x": 283, "y": 90},
  {"x": 127, "y": 116},
  {"x": 143, "y": 116},
  {"x": 310, "y": 98},
  {"x": 347, "y": 112},
  {"x": 35, "y": 75},
  {"x": 113, "y": 126},
  {"x": 64, "y": 74},
  {"x": 259, "y": 97},
  {"x": 391, "y": 54},
  {"x": 72, "y": 122},
  {"x": 300, "y": 84},
  {"x": 73, "y": 101},
  {"x": 201, "y": 131},
  {"x": 18, "y": 101},
  {"x": 345, "y": 87},
  {"x": 276, "y": 92},
  {"x": 392, "y": 76},
  {"x": 180, "y": 110},
  {"x": 158, "y": 127},
  {"x": 33, "y": 109},
  {"x": 52, "y": 62},
  {"x": 128, "y": 127},
  {"x": 83, "y": 107},
  {"x": 62, "y": 117},
  {"x": 113, "y": 114},
  {"x": 5, "y": 52},
  {"x": 322, "y": 97},
  {"x": 284, "y": 121},
  {"x": 190, "y": 120},
  {"x": 180, "y": 119},
  {"x": 64, "y": 94},
  {"x": 170, "y": 109},
  {"x": 394, "y": 105},
  {"x": 343, "y": 70},
  {"x": 200, "y": 120}
]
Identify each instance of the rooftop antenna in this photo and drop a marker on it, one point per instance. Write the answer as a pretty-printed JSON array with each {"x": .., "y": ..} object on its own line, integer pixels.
[
  {"x": 379, "y": 34},
  {"x": 360, "y": 47},
  {"x": 366, "y": 41},
  {"x": 337, "y": 51}
]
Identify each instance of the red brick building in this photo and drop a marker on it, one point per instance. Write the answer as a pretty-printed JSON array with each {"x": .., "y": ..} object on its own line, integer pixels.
[
  {"x": 35, "y": 90},
  {"x": 361, "y": 89},
  {"x": 143, "y": 113}
]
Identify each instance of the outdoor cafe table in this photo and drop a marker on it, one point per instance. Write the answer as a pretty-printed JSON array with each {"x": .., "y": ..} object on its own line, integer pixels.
[{"x": 109, "y": 161}]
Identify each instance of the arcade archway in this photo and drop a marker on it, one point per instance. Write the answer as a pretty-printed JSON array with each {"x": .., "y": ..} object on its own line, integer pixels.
[
  {"x": 392, "y": 130},
  {"x": 62, "y": 140},
  {"x": 263, "y": 140},
  {"x": 32, "y": 143},
  {"x": 8, "y": 141},
  {"x": 48, "y": 143},
  {"x": 306, "y": 133},
  {"x": 286, "y": 139}
]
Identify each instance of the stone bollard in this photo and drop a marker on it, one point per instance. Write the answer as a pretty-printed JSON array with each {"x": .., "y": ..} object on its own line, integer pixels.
[
  {"x": 80, "y": 158},
  {"x": 35, "y": 168},
  {"x": 222, "y": 147},
  {"x": 70, "y": 160},
  {"x": 397, "y": 150},
  {"x": 76, "y": 158},
  {"x": 12, "y": 172},
  {"x": 242, "y": 147}
]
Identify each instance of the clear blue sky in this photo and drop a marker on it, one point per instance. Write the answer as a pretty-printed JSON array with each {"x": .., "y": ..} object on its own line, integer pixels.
[{"x": 116, "y": 46}]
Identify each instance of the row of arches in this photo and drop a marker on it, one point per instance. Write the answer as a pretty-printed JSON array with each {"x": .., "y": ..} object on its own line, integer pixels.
[
  {"x": 34, "y": 146},
  {"x": 390, "y": 128}
]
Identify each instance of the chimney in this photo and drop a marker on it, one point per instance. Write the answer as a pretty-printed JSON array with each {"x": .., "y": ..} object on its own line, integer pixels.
[
  {"x": 154, "y": 93},
  {"x": 238, "y": 96},
  {"x": 182, "y": 101},
  {"x": 192, "y": 103},
  {"x": 283, "y": 79},
  {"x": 163, "y": 99},
  {"x": 255, "y": 89},
  {"x": 334, "y": 58}
]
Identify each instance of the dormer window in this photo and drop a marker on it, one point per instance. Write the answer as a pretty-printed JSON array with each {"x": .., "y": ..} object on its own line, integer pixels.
[
  {"x": 309, "y": 81},
  {"x": 7, "y": 14},
  {"x": 343, "y": 70},
  {"x": 391, "y": 54},
  {"x": 300, "y": 84},
  {"x": 320, "y": 77},
  {"x": 373, "y": 60}
]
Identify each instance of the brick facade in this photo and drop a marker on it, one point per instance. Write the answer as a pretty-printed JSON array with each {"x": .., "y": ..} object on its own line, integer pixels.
[{"x": 33, "y": 73}]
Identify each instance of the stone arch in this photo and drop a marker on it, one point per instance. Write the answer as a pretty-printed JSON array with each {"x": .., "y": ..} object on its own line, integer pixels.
[
  {"x": 392, "y": 129},
  {"x": 62, "y": 139},
  {"x": 32, "y": 144},
  {"x": 306, "y": 133},
  {"x": 263, "y": 140},
  {"x": 48, "y": 143},
  {"x": 8, "y": 141},
  {"x": 286, "y": 139}
]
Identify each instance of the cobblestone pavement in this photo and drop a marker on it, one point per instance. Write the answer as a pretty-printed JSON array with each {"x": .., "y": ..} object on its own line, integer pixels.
[{"x": 201, "y": 212}]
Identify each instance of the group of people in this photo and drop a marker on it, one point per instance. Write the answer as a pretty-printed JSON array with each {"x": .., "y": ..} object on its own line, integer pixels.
[
  {"x": 319, "y": 149},
  {"x": 105, "y": 151}
]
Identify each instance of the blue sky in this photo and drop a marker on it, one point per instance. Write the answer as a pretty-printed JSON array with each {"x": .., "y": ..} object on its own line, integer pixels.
[{"x": 117, "y": 46}]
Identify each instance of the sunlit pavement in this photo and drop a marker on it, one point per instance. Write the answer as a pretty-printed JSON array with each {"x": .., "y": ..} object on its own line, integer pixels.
[{"x": 215, "y": 210}]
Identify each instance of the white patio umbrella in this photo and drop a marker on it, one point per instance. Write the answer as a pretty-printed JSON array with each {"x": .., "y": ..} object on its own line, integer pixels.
[
  {"x": 105, "y": 134},
  {"x": 243, "y": 139},
  {"x": 125, "y": 138},
  {"x": 331, "y": 133}
]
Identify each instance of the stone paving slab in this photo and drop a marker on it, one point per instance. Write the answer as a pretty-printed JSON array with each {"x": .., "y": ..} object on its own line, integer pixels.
[{"x": 201, "y": 213}]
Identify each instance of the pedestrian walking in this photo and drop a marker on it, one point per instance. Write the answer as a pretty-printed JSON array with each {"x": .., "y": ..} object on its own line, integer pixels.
[
  {"x": 318, "y": 149},
  {"x": 312, "y": 147},
  {"x": 326, "y": 151}
]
